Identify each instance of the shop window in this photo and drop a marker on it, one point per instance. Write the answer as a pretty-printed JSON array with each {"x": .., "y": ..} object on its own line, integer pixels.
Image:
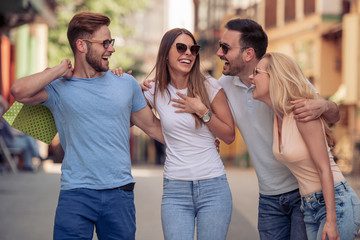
[
  {"x": 309, "y": 7},
  {"x": 270, "y": 13},
  {"x": 289, "y": 10}
]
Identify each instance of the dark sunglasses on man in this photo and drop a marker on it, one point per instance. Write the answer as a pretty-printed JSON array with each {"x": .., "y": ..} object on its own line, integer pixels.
[
  {"x": 225, "y": 48},
  {"x": 106, "y": 43},
  {"x": 182, "y": 48}
]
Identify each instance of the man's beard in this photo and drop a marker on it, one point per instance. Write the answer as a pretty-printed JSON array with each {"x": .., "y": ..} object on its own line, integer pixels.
[
  {"x": 94, "y": 62},
  {"x": 233, "y": 70}
]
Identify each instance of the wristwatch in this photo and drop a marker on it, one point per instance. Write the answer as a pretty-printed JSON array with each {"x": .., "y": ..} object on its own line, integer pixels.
[{"x": 207, "y": 116}]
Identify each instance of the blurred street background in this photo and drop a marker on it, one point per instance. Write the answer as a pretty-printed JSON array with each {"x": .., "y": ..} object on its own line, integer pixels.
[{"x": 322, "y": 35}]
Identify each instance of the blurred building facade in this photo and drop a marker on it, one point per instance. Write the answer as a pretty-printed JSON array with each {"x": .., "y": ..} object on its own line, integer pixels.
[
  {"x": 322, "y": 35},
  {"x": 23, "y": 42},
  {"x": 23, "y": 30}
]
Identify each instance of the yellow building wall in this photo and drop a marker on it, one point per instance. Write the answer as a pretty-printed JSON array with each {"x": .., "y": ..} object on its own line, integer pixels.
[
  {"x": 303, "y": 41},
  {"x": 330, "y": 68},
  {"x": 351, "y": 61}
]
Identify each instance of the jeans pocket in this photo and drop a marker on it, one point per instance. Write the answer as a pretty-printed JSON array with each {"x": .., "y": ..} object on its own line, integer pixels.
[{"x": 356, "y": 209}]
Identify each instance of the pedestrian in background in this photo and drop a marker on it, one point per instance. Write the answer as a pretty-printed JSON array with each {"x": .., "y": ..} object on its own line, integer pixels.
[
  {"x": 242, "y": 46},
  {"x": 13, "y": 138},
  {"x": 193, "y": 112},
  {"x": 92, "y": 110},
  {"x": 331, "y": 207}
]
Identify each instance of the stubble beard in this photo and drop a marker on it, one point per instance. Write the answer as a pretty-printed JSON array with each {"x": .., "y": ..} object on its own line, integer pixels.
[{"x": 94, "y": 62}]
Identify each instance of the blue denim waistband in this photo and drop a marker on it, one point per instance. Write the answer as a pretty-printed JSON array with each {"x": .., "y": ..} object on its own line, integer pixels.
[{"x": 337, "y": 186}]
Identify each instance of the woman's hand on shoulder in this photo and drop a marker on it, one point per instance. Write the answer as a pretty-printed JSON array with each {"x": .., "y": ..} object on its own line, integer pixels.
[
  {"x": 146, "y": 84},
  {"x": 119, "y": 71}
]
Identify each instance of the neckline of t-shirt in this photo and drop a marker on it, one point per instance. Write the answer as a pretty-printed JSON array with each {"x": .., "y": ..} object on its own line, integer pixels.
[
  {"x": 101, "y": 76},
  {"x": 176, "y": 89}
]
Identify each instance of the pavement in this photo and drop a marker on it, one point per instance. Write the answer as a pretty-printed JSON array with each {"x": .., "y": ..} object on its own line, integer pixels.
[{"x": 28, "y": 202}]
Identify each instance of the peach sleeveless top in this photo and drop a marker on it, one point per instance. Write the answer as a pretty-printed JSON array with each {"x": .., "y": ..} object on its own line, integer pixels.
[{"x": 294, "y": 154}]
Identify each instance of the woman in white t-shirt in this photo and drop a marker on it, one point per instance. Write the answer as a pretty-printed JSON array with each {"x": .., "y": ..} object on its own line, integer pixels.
[{"x": 193, "y": 111}]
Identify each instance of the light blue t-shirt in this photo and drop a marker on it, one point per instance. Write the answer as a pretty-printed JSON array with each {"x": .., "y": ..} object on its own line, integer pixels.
[
  {"x": 92, "y": 116},
  {"x": 254, "y": 120}
]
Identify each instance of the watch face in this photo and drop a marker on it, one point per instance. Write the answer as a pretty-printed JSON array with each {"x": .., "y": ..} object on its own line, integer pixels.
[{"x": 207, "y": 117}]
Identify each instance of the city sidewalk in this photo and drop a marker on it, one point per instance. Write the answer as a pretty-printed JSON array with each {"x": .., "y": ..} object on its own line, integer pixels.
[{"x": 28, "y": 202}]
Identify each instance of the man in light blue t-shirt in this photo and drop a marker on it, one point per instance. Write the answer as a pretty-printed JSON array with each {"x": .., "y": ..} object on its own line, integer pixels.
[
  {"x": 241, "y": 47},
  {"x": 93, "y": 109}
]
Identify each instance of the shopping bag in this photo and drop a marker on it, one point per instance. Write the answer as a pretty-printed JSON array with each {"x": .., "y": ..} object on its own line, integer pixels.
[{"x": 36, "y": 121}]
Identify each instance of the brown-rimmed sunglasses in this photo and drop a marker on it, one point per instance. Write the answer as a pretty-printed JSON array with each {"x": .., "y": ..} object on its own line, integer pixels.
[
  {"x": 256, "y": 71},
  {"x": 106, "y": 43}
]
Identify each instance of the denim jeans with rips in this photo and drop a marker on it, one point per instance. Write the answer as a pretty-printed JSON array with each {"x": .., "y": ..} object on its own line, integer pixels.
[
  {"x": 280, "y": 217},
  {"x": 206, "y": 203},
  {"x": 347, "y": 205}
]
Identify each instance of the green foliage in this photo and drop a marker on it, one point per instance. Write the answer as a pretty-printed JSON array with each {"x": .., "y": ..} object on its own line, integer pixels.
[{"x": 116, "y": 10}]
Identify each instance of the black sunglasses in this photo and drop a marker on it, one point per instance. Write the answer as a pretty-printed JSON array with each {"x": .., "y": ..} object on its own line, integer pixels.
[
  {"x": 106, "y": 43},
  {"x": 225, "y": 48},
  {"x": 182, "y": 48}
]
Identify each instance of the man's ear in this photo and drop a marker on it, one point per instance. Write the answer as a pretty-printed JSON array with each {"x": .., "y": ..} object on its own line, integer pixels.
[
  {"x": 249, "y": 54},
  {"x": 81, "y": 46}
]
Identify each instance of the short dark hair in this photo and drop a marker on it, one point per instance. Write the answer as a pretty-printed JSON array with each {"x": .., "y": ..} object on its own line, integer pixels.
[
  {"x": 252, "y": 35},
  {"x": 83, "y": 25}
]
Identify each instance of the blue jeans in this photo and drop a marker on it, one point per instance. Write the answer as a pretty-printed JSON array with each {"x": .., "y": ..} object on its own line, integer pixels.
[
  {"x": 111, "y": 211},
  {"x": 280, "y": 217},
  {"x": 347, "y": 206},
  {"x": 208, "y": 201}
]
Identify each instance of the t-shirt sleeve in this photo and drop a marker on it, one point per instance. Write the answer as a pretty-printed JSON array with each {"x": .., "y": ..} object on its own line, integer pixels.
[
  {"x": 149, "y": 95},
  {"x": 212, "y": 86},
  {"x": 51, "y": 92},
  {"x": 138, "y": 100}
]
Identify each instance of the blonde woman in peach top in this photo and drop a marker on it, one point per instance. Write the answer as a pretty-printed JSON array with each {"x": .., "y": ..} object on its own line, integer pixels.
[{"x": 331, "y": 208}]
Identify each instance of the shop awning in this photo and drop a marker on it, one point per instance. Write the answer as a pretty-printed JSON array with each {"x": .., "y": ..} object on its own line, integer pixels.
[{"x": 14, "y": 13}]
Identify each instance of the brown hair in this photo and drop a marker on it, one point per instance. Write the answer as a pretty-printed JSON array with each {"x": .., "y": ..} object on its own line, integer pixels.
[
  {"x": 196, "y": 83},
  {"x": 83, "y": 25}
]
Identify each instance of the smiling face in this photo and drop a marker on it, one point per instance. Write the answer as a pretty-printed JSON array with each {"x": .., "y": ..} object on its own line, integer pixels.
[
  {"x": 97, "y": 56},
  {"x": 261, "y": 80},
  {"x": 181, "y": 63},
  {"x": 232, "y": 59}
]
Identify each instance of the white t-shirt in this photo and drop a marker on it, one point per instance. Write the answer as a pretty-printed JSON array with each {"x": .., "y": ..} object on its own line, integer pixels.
[{"x": 190, "y": 152}]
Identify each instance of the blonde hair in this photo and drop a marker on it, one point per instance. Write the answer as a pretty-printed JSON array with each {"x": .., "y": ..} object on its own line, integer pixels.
[{"x": 288, "y": 83}]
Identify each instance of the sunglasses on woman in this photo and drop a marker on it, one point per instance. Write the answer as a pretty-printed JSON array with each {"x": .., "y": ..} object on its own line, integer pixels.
[
  {"x": 256, "y": 71},
  {"x": 106, "y": 43},
  {"x": 182, "y": 48}
]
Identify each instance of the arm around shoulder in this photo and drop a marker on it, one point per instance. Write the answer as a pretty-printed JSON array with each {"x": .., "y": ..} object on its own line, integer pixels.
[
  {"x": 149, "y": 123},
  {"x": 332, "y": 114},
  {"x": 309, "y": 109}
]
